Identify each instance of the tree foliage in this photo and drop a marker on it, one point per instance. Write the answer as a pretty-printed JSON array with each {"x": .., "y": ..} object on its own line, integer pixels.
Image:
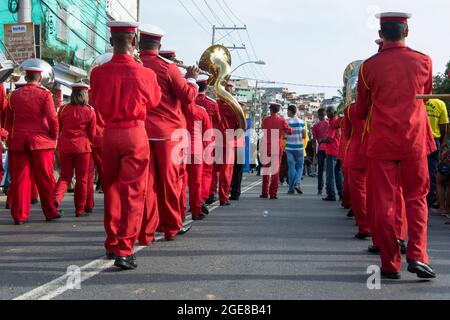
[{"x": 442, "y": 83}]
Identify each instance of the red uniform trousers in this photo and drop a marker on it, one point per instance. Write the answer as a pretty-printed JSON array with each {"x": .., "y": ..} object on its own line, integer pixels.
[
  {"x": 357, "y": 180},
  {"x": 183, "y": 189},
  {"x": 194, "y": 173},
  {"x": 167, "y": 186},
  {"x": 384, "y": 180},
  {"x": 34, "y": 189},
  {"x": 96, "y": 163},
  {"x": 207, "y": 177},
  {"x": 69, "y": 162},
  {"x": 271, "y": 181},
  {"x": 150, "y": 220},
  {"x": 125, "y": 164},
  {"x": 346, "y": 199},
  {"x": 401, "y": 226},
  {"x": 223, "y": 174},
  {"x": 90, "y": 202},
  {"x": 40, "y": 164}
]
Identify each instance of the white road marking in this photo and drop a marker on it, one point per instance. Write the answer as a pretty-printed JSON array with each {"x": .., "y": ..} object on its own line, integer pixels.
[{"x": 58, "y": 286}]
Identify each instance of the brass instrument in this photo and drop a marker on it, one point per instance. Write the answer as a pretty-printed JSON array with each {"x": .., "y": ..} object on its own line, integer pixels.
[
  {"x": 100, "y": 60},
  {"x": 217, "y": 60},
  {"x": 351, "y": 75},
  {"x": 182, "y": 66}
]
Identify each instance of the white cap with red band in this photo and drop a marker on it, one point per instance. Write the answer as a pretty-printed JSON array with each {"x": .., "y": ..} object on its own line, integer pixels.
[
  {"x": 151, "y": 31},
  {"x": 393, "y": 17},
  {"x": 123, "y": 26},
  {"x": 80, "y": 86}
]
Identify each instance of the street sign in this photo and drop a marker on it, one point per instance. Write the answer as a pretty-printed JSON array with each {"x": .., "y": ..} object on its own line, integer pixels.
[{"x": 20, "y": 41}]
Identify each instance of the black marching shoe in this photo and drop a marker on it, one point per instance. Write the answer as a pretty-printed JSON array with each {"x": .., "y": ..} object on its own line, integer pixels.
[
  {"x": 110, "y": 256},
  {"x": 210, "y": 200},
  {"x": 402, "y": 246},
  {"x": 59, "y": 216},
  {"x": 234, "y": 197},
  {"x": 126, "y": 263},
  {"x": 262, "y": 196},
  {"x": 299, "y": 191},
  {"x": 20, "y": 223},
  {"x": 225, "y": 204},
  {"x": 350, "y": 214},
  {"x": 273, "y": 198},
  {"x": 422, "y": 270},
  {"x": 374, "y": 249},
  {"x": 362, "y": 236},
  {"x": 7, "y": 207},
  {"x": 331, "y": 199},
  {"x": 88, "y": 210},
  {"x": 198, "y": 218},
  {"x": 185, "y": 230},
  {"x": 391, "y": 275},
  {"x": 205, "y": 209}
]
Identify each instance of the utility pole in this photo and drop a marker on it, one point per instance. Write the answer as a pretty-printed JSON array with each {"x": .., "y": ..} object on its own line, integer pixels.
[
  {"x": 231, "y": 29},
  {"x": 24, "y": 13}
]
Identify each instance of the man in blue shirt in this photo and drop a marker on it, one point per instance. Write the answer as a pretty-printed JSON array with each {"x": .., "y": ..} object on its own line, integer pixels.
[{"x": 295, "y": 150}]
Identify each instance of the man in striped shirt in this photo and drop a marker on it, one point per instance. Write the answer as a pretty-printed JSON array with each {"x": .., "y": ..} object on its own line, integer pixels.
[{"x": 295, "y": 150}]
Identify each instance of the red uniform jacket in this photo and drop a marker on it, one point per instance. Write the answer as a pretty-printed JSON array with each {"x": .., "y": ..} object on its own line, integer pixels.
[
  {"x": 99, "y": 129},
  {"x": 353, "y": 130},
  {"x": 343, "y": 141},
  {"x": 122, "y": 90},
  {"x": 275, "y": 122},
  {"x": 32, "y": 118},
  {"x": 198, "y": 123},
  {"x": 334, "y": 132},
  {"x": 167, "y": 117},
  {"x": 211, "y": 107},
  {"x": 77, "y": 126},
  {"x": 397, "y": 123}
]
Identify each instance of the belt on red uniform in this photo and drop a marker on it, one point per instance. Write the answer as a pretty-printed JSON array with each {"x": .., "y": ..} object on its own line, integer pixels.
[{"x": 125, "y": 124}]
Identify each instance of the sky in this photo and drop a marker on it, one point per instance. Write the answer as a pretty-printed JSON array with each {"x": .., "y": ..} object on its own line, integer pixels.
[{"x": 302, "y": 41}]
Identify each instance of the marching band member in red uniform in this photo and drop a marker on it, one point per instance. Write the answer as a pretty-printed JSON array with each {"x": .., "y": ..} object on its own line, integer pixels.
[
  {"x": 223, "y": 173},
  {"x": 123, "y": 91},
  {"x": 34, "y": 128},
  {"x": 355, "y": 162},
  {"x": 212, "y": 108},
  {"x": 161, "y": 123},
  {"x": 77, "y": 127},
  {"x": 273, "y": 124},
  {"x": 198, "y": 123},
  {"x": 387, "y": 89}
]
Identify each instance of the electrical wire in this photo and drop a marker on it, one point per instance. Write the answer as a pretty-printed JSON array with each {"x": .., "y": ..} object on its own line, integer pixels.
[
  {"x": 193, "y": 17},
  {"x": 73, "y": 31}
]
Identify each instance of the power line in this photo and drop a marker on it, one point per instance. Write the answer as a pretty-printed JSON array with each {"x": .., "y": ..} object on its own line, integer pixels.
[
  {"x": 201, "y": 12},
  {"x": 73, "y": 31},
  {"x": 126, "y": 10},
  {"x": 193, "y": 17},
  {"x": 82, "y": 22},
  {"x": 231, "y": 11},
  {"x": 290, "y": 83},
  {"x": 214, "y": 13}
]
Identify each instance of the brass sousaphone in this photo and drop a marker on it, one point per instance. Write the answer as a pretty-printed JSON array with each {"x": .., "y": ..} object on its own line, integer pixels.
[{"x": 217, "y": 61}]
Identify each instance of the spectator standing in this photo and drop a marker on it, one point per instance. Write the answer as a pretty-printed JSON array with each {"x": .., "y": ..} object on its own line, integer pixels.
[
  {"x": 320, "y": 132},
  {"x": 295, "y": 150}
]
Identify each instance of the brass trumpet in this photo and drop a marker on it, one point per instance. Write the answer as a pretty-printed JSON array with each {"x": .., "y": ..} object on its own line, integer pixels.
[{"x": 182, "y": 66}]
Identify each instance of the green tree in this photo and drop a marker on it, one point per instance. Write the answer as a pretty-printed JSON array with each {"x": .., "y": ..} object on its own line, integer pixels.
[{"x": 442, "y": 83}]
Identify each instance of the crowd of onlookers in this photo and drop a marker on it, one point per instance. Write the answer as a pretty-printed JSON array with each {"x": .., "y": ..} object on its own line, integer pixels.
[{"x": 319, "y": 153}]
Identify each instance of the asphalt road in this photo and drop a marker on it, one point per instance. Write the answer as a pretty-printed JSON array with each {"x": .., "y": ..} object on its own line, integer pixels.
[{"x": 297, "y": 247}]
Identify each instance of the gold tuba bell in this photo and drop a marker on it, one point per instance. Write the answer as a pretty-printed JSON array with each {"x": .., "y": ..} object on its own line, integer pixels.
[{"x": 217, "y": 61}]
